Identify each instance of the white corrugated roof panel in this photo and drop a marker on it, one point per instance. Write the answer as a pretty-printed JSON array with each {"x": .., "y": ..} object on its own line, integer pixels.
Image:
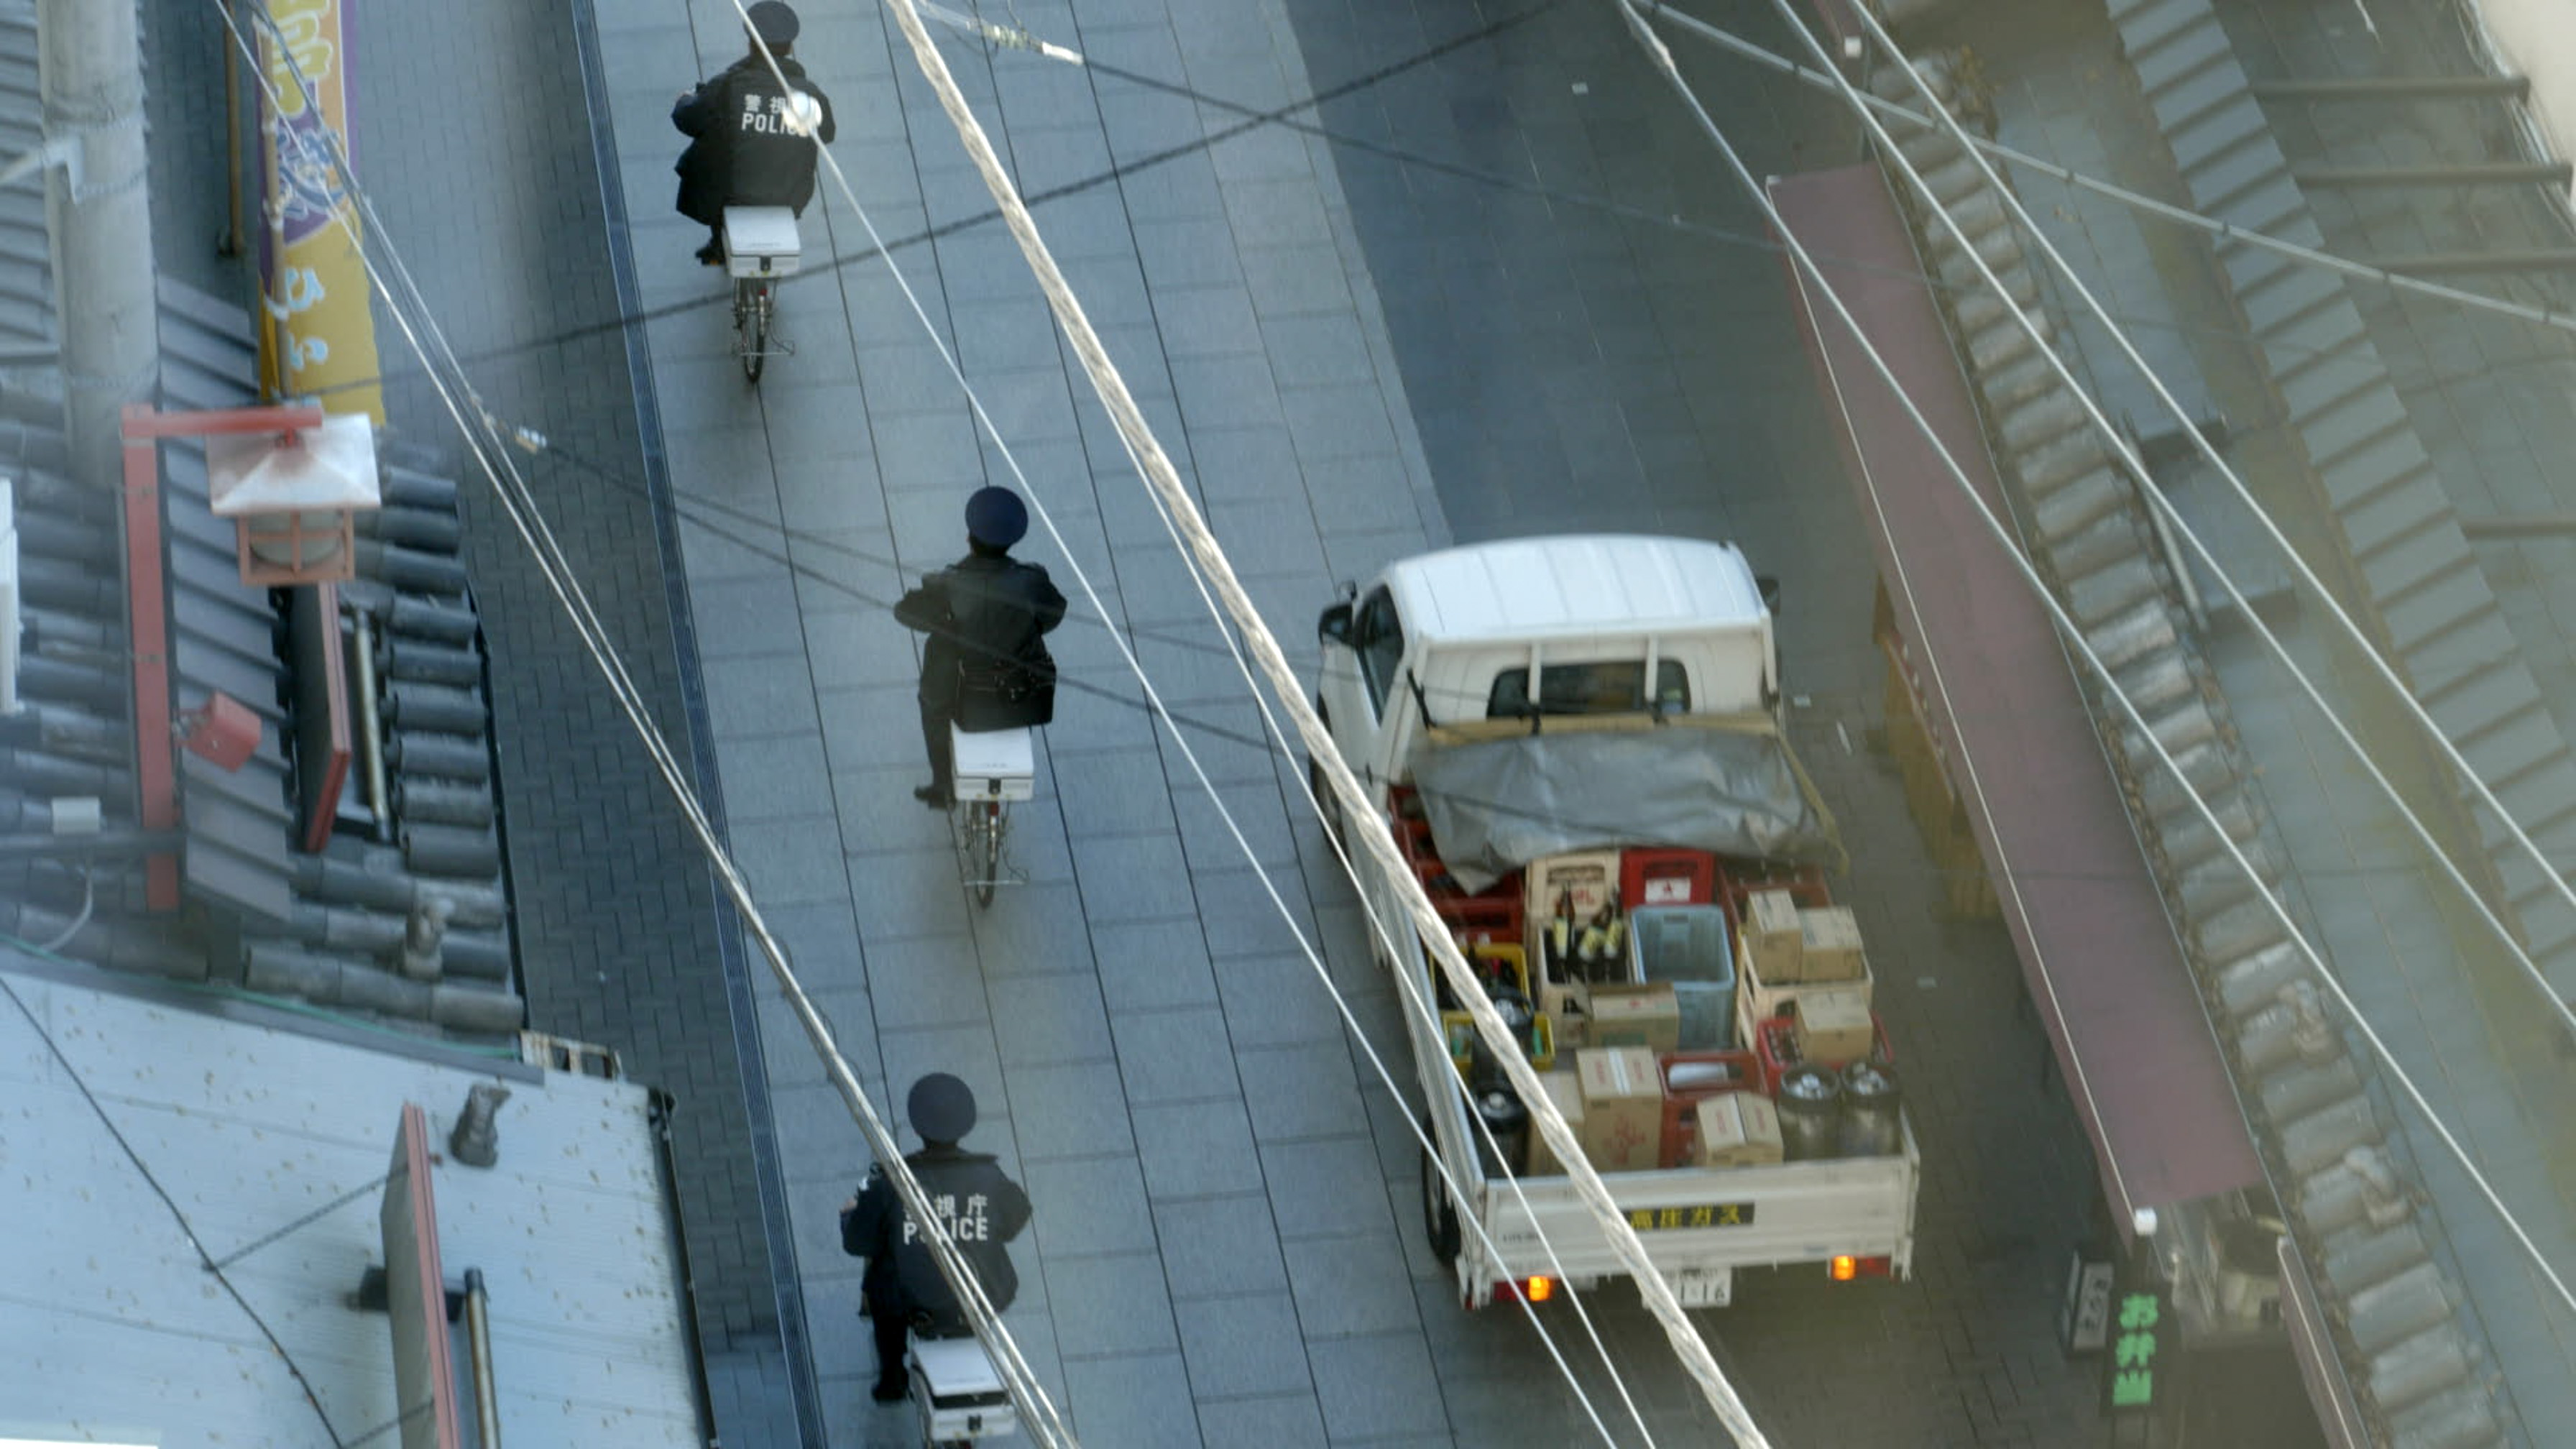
[{"x": 115, "y": 1328}]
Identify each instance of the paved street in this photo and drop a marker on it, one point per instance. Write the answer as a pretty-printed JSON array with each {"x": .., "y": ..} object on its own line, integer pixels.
[{"x": 1358, "y": 344}]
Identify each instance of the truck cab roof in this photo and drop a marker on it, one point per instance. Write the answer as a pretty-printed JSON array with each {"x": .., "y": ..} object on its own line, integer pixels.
[{"x": 1590, "y": 584}]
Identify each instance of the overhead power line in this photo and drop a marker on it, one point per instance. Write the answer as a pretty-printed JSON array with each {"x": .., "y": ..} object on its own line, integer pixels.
[{"x": 1812, "y": 275}]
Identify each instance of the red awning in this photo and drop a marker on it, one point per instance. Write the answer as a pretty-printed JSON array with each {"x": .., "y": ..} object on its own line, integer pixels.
[{"x": 2096, "y": 944}]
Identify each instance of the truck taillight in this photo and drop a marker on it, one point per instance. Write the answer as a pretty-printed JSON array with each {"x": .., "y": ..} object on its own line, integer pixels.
[
  {"x": 1530, "y": 1290},
  {"x": 1845, "y": 1267}
]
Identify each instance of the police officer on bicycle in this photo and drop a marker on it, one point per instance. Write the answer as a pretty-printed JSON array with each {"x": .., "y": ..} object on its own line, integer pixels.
[
  {"x": 978, "y": 1205},
  {"x": 985, "y": 665},
  {"x": 743, "y": 150}
]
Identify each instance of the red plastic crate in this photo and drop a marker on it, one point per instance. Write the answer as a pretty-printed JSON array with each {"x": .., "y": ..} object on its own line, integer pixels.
[
  {"x": 1479, "y": 920},
  {"x": 1681, "y": 1108},
  {"x": 1412, "y": 836},
  {"x": 1775, "y": 1049},
  {"x": 1659, "y": 876}
]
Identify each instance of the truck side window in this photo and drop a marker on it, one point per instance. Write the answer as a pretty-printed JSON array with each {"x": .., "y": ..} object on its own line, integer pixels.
[
  {"x": 1379, "y": 638},
  {"x": 1607, "y": 688}
]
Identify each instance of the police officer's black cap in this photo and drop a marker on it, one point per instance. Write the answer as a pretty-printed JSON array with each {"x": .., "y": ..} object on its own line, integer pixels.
[
  {"x": 942, "y": 1108},
  {"x": 996, "y": 518},
  {"x": 774, "y": 22}
]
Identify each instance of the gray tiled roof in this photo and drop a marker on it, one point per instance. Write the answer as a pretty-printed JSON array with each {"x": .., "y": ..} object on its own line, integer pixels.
[
  {"x": 26, "y": 288},
  {"x": 328, "y": 928}
]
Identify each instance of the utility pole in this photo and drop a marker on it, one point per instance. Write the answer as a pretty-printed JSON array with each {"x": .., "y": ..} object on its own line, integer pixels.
[{"x": 90, "y": 74}]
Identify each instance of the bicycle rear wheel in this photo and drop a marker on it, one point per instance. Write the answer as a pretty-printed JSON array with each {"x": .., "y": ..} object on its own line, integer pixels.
[
  {"x": 987, "y": 849},
  {"x": 751, "y": 326}
]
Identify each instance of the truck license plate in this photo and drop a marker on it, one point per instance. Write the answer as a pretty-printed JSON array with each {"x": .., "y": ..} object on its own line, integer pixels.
[{"x": 1704, "y": 1287}]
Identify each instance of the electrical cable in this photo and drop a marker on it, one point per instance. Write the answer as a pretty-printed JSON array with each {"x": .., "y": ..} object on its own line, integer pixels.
[
  {"x": 1637, "y": 12},
  {"x": 1313, "y": 957},
  {"x": 205, "y": 1260},
  {"x": 2155, "y": 499},
  {"x": 1038, "y": 1411},
  {"x": 1165, "y": 482},
  {"x": 89, "y": 903},
  {"x": 694, "y": 510}
]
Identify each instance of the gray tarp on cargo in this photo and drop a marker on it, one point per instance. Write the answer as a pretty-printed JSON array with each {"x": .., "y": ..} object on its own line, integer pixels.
[{"x": 1496, "y": 805}]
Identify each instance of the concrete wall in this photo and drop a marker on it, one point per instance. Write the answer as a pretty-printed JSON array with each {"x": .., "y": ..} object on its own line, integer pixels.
[{"x": 2537, "y": 38}]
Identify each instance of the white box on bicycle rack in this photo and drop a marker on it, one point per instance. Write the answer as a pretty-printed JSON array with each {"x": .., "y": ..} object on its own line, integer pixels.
[
  {"x": 960, "y": 1395},
  {"x": 761, "y": 241},
  {"x": 994, "y": 764}
]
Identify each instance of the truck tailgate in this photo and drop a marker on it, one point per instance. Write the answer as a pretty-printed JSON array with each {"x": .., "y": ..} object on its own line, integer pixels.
[{"x": 1701, "y": 1218}]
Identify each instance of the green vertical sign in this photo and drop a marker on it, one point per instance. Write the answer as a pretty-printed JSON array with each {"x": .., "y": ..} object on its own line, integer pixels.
[{"x": 2141, "y": 1330}]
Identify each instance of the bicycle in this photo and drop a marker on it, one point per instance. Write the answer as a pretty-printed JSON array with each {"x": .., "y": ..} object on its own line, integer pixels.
[
  {"x": 990, "y": 769},
  {"x": 761, "y": 245}
]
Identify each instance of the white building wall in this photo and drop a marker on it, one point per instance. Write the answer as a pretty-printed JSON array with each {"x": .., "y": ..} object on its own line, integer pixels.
[{"x": 2537, "y": 38}]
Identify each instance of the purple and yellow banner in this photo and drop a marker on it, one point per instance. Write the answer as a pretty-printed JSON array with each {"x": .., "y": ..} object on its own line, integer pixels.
[{"x": 317, "y": 332}]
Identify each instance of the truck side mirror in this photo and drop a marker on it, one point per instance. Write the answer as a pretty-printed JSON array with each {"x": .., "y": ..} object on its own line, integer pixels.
[
  {"x": 1334, "y": 624},
  {"x": 1770, "y": 590}
]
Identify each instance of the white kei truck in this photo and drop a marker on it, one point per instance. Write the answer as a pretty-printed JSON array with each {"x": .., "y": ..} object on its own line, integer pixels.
[{"x": 1545, "y": 642}]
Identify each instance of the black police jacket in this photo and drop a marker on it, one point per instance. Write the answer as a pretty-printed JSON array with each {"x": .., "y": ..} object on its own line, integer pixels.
[
  {"x": 981, "y": 1208},
  {"x": 743, "y": 153},
  {"x": 986, "y": 661}
]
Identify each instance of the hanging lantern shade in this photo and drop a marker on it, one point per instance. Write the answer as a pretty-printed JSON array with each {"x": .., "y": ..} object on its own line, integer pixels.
[{"x": 292, "y": 497}]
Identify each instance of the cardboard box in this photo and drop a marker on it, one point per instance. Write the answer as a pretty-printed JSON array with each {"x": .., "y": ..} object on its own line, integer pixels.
[
  {"x": 1834, "y": 1024},
  {"x": 1565, "y": 1089},
  {"x": 1829, "y": 947},
  {"x": 1758, "y": 998},
  {"x": 1636, "y": 1016},
  {"x": 1569, "y": 1005},
  {"x": 1738, "y": 1129},
  {"x": 1623, "y": 1107},
  {"x": 1592, "y": 876},
  {"x": 1772, "y": 935}
]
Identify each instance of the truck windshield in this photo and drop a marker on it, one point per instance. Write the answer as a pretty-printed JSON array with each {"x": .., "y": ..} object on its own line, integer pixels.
[{"x": 1611, "y": 687}]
